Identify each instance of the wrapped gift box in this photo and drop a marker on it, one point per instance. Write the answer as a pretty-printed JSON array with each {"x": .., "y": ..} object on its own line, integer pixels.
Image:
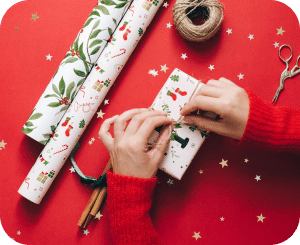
[{"x": 185, "y": 139}]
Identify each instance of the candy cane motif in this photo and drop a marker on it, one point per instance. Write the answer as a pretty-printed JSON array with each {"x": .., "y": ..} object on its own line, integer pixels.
[
  {"x": 27, "y": 182},
  {"x": 66, "y": 147},
  {"x": 131, "y": 9},
  {"x": 123, "y": 52}
]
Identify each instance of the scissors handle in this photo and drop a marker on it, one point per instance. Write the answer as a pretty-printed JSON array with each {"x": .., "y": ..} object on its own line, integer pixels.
[{"x": 286, "y": 60}]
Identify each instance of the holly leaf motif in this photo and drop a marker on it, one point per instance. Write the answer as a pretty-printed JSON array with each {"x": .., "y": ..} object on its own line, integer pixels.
[
  {"x": 62, "y": 86},
  {"x": 69, "y": 89},
  {"x": 79, "y": 73},
  {"x": 35, "y": 116},
  {"x": 54, "y": 104}
]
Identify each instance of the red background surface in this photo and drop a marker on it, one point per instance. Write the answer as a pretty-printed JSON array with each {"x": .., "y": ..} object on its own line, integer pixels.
[{"x": 198, "y": 201}]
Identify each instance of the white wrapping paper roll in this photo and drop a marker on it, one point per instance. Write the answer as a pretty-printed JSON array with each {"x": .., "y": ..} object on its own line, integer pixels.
[
  {"x": 88, "y": 99},
  {"x": 74, "y": 68}
]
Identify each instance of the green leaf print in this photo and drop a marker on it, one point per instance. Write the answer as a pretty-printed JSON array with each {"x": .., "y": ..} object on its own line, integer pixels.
[
  {"x": 69, "y": 90},
  {"x": 95, "y": 50},
  {"x": 121, "y": 5},
  {"x": 29, "y": 124},
  {"x": 55, "y": 89},
  {"x": 96, "y": 24},
  {"x": 80, "y": 82},
  {"x": 107, "y": 2},
  {"x": 87, "y": 69},
  {"x": 62, "y": 86},
  {"x": 110, "y": 32},
  {"x": 71, "y": 60},
  {"x": 35, "y": 116},
  {"x": 54, "y": 104},
  {"x": 82, "y": 56},
  {"x": 96, "y": 42},
  {"x": 87, "y": 22},
  {"x": 27, "y": 130},
  {"x": 95, "y": 13},
  {"x": 103, "y": 9},
  {"x": 95, "y": 33},
  {"x": 76, "y": 44},
  {"x": 79, "y": 73}
]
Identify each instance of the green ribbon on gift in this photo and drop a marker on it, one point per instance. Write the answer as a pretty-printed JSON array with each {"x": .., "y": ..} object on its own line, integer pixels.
[{"x": 100, "y": 182}]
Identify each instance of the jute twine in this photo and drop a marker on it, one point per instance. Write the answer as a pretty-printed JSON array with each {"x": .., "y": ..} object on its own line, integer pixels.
[{"x": 185, "y": 10}]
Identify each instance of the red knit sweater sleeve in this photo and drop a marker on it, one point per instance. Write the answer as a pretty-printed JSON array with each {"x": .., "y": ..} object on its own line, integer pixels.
[
  {"x": 129, "y": 200},
  {"x": 271, "y": 127}
]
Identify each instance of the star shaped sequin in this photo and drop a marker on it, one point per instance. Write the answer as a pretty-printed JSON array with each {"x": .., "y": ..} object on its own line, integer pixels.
[
  {"x": 260, "y": 218},
  {"x": 276, "y": 44},
  {"x": 251, "y": 37},
  {"x": 241, "y": 76},
  {"x": 164, "y": 68},
  {"x": 49, "y": 57},
  {"x": 153, "y": 72},
  {"x": 280, "y": 31},
  {"x": 222, "y": 219},
  {"x": 224, "y": 163},
  {"x": 246, "y": 160},
  {"x": 229, "y": 31},
  {"x": 257, "y": 178},
  {"x": 2, "y": 144},
  {"x": 211, "y": 67},
  {"x": 183, "y": 56},
  {"x": 106, "y": 102},
  {"x": 86, "y": 232},
  {"x": 72, "y": 169},
  {"x": 201, "y": 171},
  {"x": 100, "y": 114},
  {"x": 196, "y": 235},
  {"x": 34, "y": 17},
  {"x": 19, "y": 233},
  {"x": 170, "y": 182},
  {"x": 165, "y": 4},
  {"x": 169, "y": 25},
  {"x": 98, "y": 215}
]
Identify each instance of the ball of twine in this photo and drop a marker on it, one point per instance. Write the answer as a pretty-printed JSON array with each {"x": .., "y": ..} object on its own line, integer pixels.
[{"x": 186, "y": 10}]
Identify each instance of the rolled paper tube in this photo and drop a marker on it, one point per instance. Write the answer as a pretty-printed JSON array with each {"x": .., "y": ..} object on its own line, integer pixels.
[
  {"x": 88, "y": 99},
  {"x": 74, "y": 68}
]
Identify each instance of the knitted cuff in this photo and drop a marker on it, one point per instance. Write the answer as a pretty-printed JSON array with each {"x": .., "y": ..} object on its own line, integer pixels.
[{"x": 271, "y": 127}]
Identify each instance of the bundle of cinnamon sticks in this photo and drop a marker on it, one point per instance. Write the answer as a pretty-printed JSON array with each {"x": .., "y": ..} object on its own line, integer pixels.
[{"x": 94, "y": 202}]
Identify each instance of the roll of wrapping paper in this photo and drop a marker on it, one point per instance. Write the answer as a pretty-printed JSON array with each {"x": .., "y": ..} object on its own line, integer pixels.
[
  {"x": 74, "y": 68},
  {"x": 88, "y": 99}
]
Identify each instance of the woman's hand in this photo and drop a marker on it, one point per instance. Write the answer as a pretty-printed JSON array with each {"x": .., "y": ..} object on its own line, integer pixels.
[
  {"x": 229, "y": 101},
  {"x": 129, "y": 148}
]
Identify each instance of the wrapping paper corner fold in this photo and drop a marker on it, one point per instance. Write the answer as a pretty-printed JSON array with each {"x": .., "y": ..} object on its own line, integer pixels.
[{"x": 186, "y": 140}]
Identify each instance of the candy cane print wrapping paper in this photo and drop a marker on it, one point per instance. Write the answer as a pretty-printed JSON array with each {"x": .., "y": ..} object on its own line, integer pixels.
[
  {"x": 186, "y": 140},
  {"x": 74, "y": 68},
  {"x": 88, "y": 99}
]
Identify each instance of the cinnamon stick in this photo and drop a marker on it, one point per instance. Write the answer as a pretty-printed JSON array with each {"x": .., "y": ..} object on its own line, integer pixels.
[{"x": 85, "y": 219}]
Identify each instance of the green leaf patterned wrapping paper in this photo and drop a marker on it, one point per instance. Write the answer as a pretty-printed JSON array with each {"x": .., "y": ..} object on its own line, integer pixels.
[
  {"x": 74, "y": 68},
  {"x": 88, "y": 99},
  {"x": 186, "y": 139}
]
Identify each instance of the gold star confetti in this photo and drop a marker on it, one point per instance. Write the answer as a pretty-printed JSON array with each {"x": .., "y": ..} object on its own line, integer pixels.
[
  {"x": 224, "y": 163},
  {"x": 222, "y": 219},
  {"x": 19, "y": 233},
  {"x": 86, "y": 232},
  {"x": 257, "y": 177},
  {"x": 261, "y": 218},
  {"x": 34, "y": 17},
  {"x": 2, "y": 145},
  {"x": 72, "y": 169},
  {"x": 164, "y": 68},
  {"x": 246, "y": 160},
  {"x": 16, "y": 28},
  {"x": 100, "y": 114},
  {"x": 196, "y": 235},
  {"x": 201, "y": 171},
  {"x": 91, "y": 141},
  {"x": 98, "y": 215},
  {"x": 280, "y": 31}
]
